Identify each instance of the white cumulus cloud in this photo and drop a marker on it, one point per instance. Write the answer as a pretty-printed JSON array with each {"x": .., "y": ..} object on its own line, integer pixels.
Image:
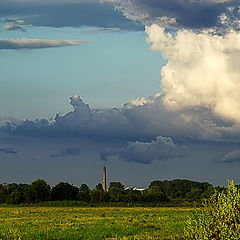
[{"x": 203, "y": 70}]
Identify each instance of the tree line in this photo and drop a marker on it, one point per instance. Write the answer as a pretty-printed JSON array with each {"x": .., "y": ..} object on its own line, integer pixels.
[{"x": 157, "y": 192}]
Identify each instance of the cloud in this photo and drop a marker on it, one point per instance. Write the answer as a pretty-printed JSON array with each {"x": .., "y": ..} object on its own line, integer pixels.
[
  {"x": 130, "y": 15},
  {"x": 142, "y": 131},
  {"x": 27, "y": 43},
  {"x": 67, "y": 14},
  {"x": 230, "y": 157},
  {"x": 72, "y": 152},
  {"x": 194, "y": 14},
  {"x": 13, "y": 25},
  {"x": 139, "y": 120},
  {"x": 102, "y": 30},
  {"x": 200, "y": 41},
  {"x": 46, "y": 2},
  {"x": 202, "y": 70},
  {"x": 163, "y": 148},
  {"x": 8, "y": 150},
  {"x": 7, "y": 119}
]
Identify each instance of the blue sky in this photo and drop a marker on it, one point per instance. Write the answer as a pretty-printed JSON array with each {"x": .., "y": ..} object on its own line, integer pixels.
[
  {"x": 107, "y": 71},
  {"x": 149, "y": 88}
]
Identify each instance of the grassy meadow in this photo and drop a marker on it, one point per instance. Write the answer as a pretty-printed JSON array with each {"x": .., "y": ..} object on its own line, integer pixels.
[{"x": 90, "y": 223}]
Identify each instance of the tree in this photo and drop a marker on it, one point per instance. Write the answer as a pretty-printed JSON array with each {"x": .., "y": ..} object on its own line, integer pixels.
[
  {"x": 16, "y": 197},
  {"x": 194, "y": 194},
  {"x": 153, "y": 194},
  {"x": 4, "y": 193},
  {"x": 83, "y": 194},
  {"x": 64, "y": 191},
  {"x": 97, "y": 196},
  {"x": 208, "y": 192},
  {"x": 99, "y": 187},
  {"x": 40, "y": 190},
  {"x": 84, "y": 188},
  {"x": 116, "y": 192},
  {"x": 219, "y": 219},
  {"x": 178, "y": 188},
  {"x": 131, "y": 195},
  {"x": 116, "y": 186},
  {"x": 28, "y": 195}
]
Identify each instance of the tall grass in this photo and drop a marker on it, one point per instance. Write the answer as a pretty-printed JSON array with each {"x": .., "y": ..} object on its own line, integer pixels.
[{"x": 95, "y": 223}]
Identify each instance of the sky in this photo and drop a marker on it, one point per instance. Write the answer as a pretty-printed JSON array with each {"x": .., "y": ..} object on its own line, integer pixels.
[{"x": 148, "y": 88}]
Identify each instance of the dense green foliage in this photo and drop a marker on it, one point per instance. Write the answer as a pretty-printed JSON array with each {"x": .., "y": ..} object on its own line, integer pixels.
[
  {"x": 73, "y": 223},
  {"x": 179, "y": 189},
  {"x": 158, "y": 192},
  {"x": 220, "y": 217}
]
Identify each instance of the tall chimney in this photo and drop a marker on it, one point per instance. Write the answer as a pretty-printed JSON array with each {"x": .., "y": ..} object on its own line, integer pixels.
[{"x": 104, "y": 179}]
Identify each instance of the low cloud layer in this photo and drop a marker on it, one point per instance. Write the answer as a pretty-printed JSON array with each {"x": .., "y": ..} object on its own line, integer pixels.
[
  {"x": 8, "y": 119},
  {"x": 231, "y": 157},
  {"x": 143, "y": 131},
  {"x": 139, "y": 120},
  {"x": 67, "y": 152},
  {"x": 27, "y": 43},
  {"x": 163, "y": 148},
  {"x": 8, "y": 150}
]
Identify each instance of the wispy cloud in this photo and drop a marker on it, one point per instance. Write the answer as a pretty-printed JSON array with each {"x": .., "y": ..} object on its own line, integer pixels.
[
  {"x": 78, "y": 12},
  {"x": 27, "y": 43},
  {"x": 230, "y": 157},
  {"x": 72, "y": 152},
  {"x": 8, "y": 150},
  {"x": 102, "y": 30}
]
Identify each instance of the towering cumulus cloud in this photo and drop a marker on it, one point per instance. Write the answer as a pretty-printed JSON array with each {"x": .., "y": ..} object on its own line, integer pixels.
[
  {"x": 202, "y": 70},
  {"x": 199, "y": 99},
  {"x": 201, "y": 42}
]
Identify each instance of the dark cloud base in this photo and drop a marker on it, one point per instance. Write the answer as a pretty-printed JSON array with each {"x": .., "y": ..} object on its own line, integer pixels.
[
  {"x": 130, "y": 123},
  {"x": 147, "y": 131},
  {"x": 188, "y": 14},
  {"x": 8, "y": 150}
]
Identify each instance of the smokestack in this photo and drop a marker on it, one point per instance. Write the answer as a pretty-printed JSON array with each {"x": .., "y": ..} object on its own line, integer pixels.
[{"x": 104, "y": 179}]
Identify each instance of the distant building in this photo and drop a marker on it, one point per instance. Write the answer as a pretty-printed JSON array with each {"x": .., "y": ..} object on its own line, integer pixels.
[{"x": 134, "y": 188}]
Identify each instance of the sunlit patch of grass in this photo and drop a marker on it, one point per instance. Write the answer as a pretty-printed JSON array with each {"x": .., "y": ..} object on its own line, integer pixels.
[{"x": 57, "y": 223}]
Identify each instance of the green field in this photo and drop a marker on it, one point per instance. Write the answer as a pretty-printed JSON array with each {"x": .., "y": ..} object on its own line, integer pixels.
[{"x": 92, "y": 223}]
